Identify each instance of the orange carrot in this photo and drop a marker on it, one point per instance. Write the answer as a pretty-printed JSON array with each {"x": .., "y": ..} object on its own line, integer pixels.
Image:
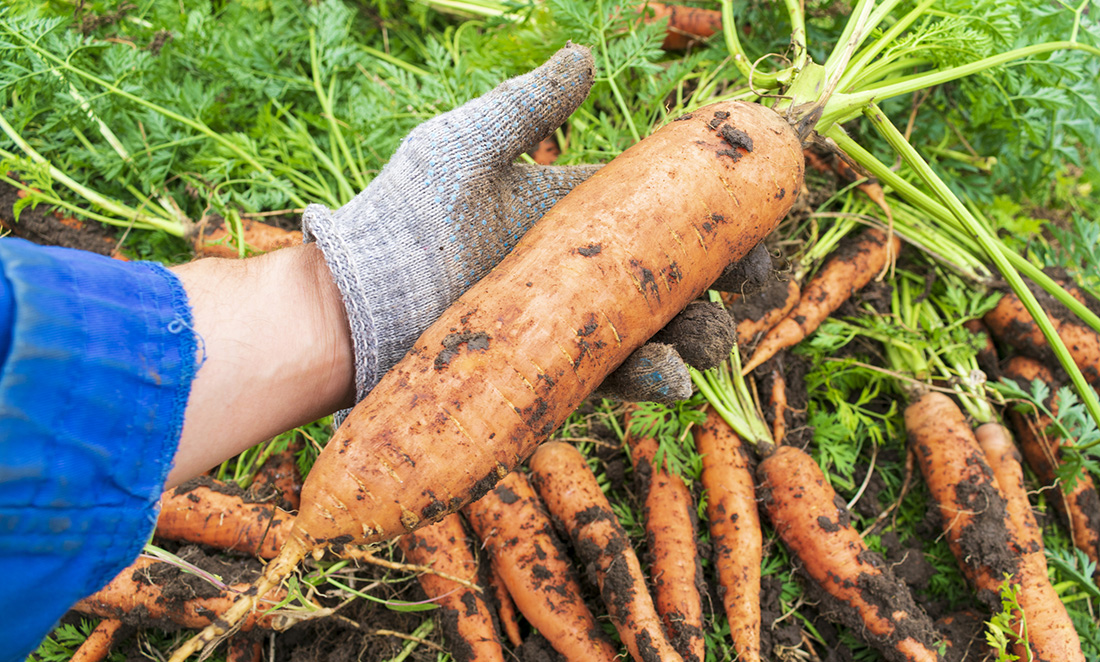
[
  {"x": 98, "y": 645},
  {"x": 816, "y": 526},
  {"x": 778, "y": 405},
  {"x": 846, "y": 271},
  {"x": 979, "y": 527},
  {"x": 757, "y": 313},
  {"x": 463, "y": 613},
  {"x": 571, "y": 494},
  {"x": 521, "y": 349},
  {"x": 831, "y": 158},
  {"x": 734, "y": 524},
  {"x": 516, "y": 530},
  {"x": 243, "y": 649},
  {"x": 506, "y": 607},
  {"x": 280, "y": 474},
  {"x": 216, "y": 240},
  {"x": 669, "y": 513},
  {"x": 209, "y": 512},
  {"x": 1011, "y": 324},
  {"x": 547, "y": 151},
  {"x": 1079, "y": 508},
  {"x": 686, "y": 25},
  {"x": 131, "y": 597}
]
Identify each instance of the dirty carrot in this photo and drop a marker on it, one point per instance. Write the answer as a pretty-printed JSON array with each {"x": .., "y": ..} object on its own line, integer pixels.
[
  {"x": 1011, "y": 324},
  {"x": 846, "y": 271},
  {"x": 98, "y": 645},
  {"x": 569, "y": 489},
  {"x": 464, "y": 615},
  {"x": 216, "y": 240},
  {"x": 755, "y": 314},
  {"x": 816, "y": 525},
  {"x": 826, "y": 159},
  {"x": 209, "y": 512},
  {"x": 513, "y": 524},
  {"x": 980, "y": 530},
  {"x": 279, "y": 473},
  {"x": 778, "y": 402},
  {"x": 734, "y": 525},
  {"x": 132, "y": 597},
  {"x": 669, "y": 513},
  {"x": 505, "y": 606},
  {"x": 1079, "y": 508},
  {"x": 686, "y": 25},
  {"x": 244, "y": 649},
  {"x": 520, "y": 350}
]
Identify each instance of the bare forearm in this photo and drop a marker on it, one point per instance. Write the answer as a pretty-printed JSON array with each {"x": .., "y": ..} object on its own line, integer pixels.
[{"x": 277, "y": 353}]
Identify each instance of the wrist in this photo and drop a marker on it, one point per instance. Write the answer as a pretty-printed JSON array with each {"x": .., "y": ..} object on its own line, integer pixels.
[{"x": 276, "y": 348}]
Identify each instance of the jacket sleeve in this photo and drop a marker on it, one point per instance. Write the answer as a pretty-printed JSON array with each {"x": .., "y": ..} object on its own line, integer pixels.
[{"x": 96, "y": 362}]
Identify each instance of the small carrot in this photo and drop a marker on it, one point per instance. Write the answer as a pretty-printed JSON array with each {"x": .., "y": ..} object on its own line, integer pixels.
[
  {"x": 513, "y": 524},
  {"x": 244, "y": 649},
  {"x": 547, "y": 151},
  {"x": 216, "y": 240},
  {"x": 463, "y": 613},
  {"x": 506, "y": 607},
  {"x": 816, "y": 525},
  {"x": 831, "y": 159},
  {"x": 755, "y": 314},
  {"x": 778, "y": 405},
  {"x": 132, "y": 597},
  {"x": 208, "y": 512},
  {"x": 98, "y": 645},
  {"x": 980, "y": 529},
  {"x": 686, "y": 25},
  {"x": 570, "y": 491},
  {"x": 846, "y": 271},
  {"x": 280, "y": 472},
  {"x": 669, "y": 513},
  {"x": 1012, "y": 325},
  {"x": 734, "y": 524},
  {"x": 1079, "y": 508}
]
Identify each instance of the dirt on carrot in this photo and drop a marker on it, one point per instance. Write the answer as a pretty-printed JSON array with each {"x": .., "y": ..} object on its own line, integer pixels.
[{"x": 41, "y": 226}]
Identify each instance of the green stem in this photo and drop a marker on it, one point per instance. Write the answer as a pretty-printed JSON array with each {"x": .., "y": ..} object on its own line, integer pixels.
[
  {"x": 993, "y": 248},
  {"x": 171, "y": 226},
  {"x": 798, "y": 34},
  {"x": 333, "y": 126},
  {"x": 860, "y": 62},
  {"x": 845, "y": 106},
  {"x": 737, "y": 52}
]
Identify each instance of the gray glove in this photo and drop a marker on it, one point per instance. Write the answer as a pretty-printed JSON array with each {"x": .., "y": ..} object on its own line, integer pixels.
[{"x": 449, "y": 205}]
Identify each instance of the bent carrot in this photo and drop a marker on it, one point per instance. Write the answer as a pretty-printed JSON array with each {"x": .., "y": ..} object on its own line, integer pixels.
[
  {"x": 513, "y": 524},
  {"x": 463, "y": 613},
  {"x": 519, "y": 351},
  {"x": 846, "y": 271},
  {"x": 734, "y": 524},
  {"x": 132, "y": 598},
  {"x": 816, "y": 525},
  {"x": 978, "y": 526},
  {"x": 98, "y": 645},
  {"x": 570, "y": 491},
  {"x": 208, "y": 512},
  {"x": 1079, "y": 508},
  {"x": 669, "y": 513}
]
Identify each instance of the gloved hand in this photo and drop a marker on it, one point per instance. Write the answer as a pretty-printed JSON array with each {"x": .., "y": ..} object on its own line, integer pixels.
[{"x": 449, "y": 205}]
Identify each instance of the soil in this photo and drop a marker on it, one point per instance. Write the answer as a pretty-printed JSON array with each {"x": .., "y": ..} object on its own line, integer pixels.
[{"x": 42, "y": 226}]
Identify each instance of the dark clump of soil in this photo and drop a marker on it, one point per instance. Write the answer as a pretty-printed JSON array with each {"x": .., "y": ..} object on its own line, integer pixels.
[
  {"x": 749, "y": 274},
  {"x": 41, "y": 226},
  {"x": 703, "y": 334},
  {"x": 535, "y": 648},
  {"x": 786, "y": 634},
  {"x": 963, "y": 635}
]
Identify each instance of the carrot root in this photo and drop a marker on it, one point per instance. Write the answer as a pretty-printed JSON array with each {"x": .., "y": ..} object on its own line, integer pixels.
[{"x": 98, "y": 645}]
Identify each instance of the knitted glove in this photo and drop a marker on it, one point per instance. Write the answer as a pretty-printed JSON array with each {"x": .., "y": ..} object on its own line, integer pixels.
[{"x": 449, "y": 205}]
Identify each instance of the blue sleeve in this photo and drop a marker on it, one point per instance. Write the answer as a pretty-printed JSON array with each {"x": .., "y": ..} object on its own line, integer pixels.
[{"x": 97, "y": 362}]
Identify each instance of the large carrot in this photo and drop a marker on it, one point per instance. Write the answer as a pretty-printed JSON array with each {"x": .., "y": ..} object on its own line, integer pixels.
[
  {"x": 463, "y": 613},
  {"x": 132, "y": 597},
  {"x": 571, "y": 494},
  {"x": 979, "y": 528},
  {"x": 734, "y": 524},
  {"x": 1011, "y": 324},
  {"x": 516, "y": 530},
  {"x": 816, "y": 526},
  {"x": 519, "y": 351},
  {"x": 669, "y": 513},
  {"x": 1079, "y": 508},
  {"x": 208, "y": 512},
  {"x": 846, "y": 271}
]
